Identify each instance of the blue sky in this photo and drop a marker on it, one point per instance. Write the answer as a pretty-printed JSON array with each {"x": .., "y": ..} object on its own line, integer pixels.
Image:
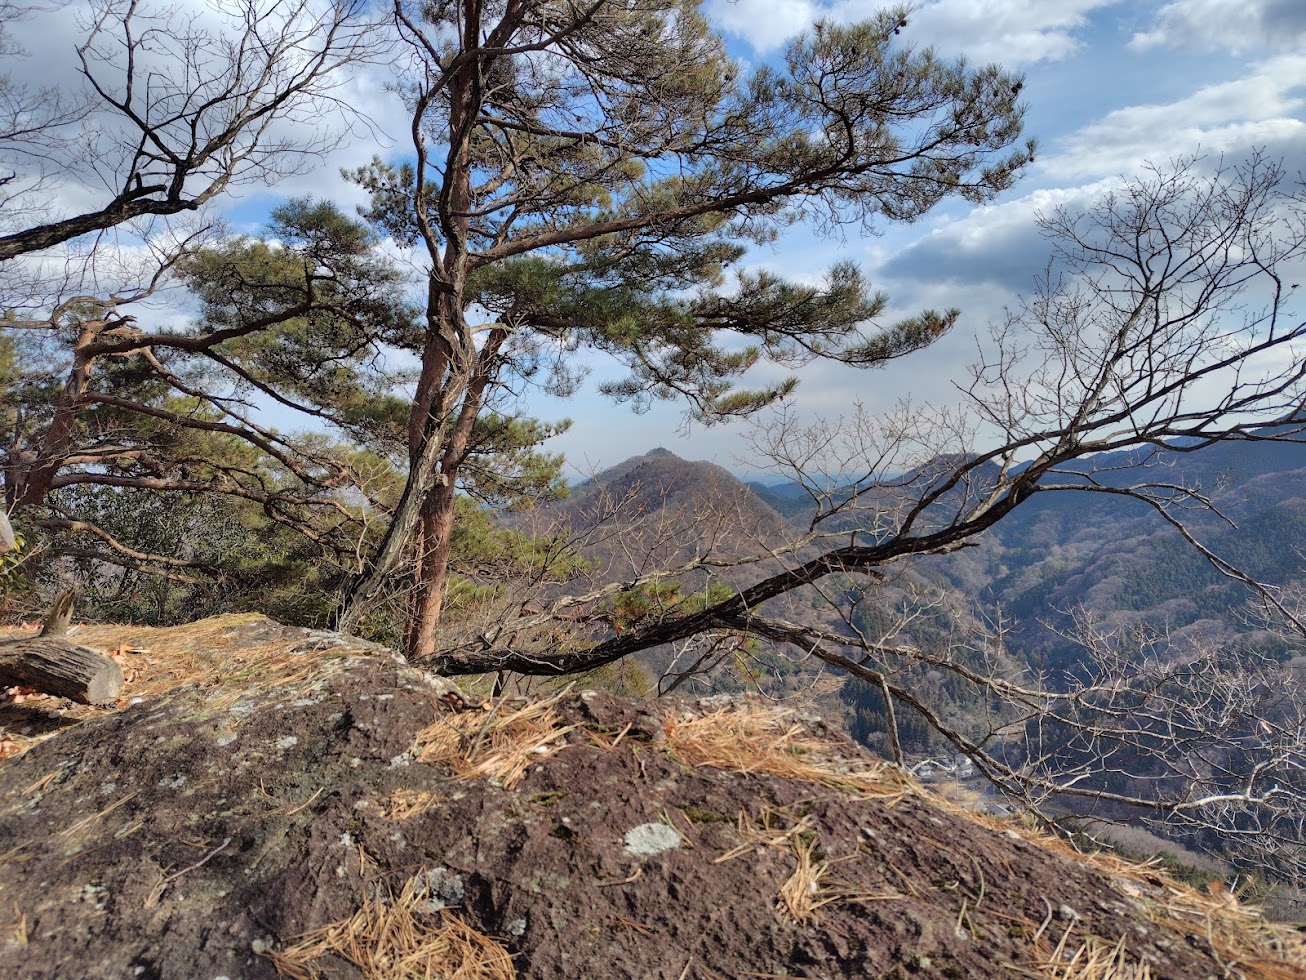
[{"x": 1110, "y": 86}]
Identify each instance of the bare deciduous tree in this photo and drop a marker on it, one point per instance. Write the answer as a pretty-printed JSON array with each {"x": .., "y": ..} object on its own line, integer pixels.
[
  {"x": 1165, "y": 321},
  {"x": 175, "y": 107},
  {"x": 104, "y": 188}
]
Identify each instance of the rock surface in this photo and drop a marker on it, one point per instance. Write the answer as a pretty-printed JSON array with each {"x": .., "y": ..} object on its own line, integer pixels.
[{"x": 201, "y": 832}]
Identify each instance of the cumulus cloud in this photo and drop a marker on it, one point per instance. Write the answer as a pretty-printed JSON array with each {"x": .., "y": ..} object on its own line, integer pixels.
[
  {"x": 1001, "y": 244},
  {"x": 764, "y": 24},
  {"x": 1262, "y": 109},
  {"x": 1014, "y": 32},
  {"x": 1218, "y": 25}
]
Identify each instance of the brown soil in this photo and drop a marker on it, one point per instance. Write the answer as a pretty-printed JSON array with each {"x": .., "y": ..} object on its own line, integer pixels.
[{"x": 320, "y": 809}]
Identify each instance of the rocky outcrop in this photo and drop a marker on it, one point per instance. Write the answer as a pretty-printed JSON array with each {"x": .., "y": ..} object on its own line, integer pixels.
[{"x": 320, "y": 806}]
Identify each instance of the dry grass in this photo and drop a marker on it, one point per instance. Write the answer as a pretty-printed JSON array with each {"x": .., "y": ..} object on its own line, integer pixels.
[
  {"x": 232, "y": 649},
  {"x": 498, "y": 743},
  {"x": 771, "y": 741},
  {"x": 211, "y": 652},
  {"x": 773, "y": 828},
  {"x": 1237, "y": 934},
  {"x": 398, "y": 938},
  {"x": 19, "y": 929},
  {"x": 404, "y": 804},
  {"x": 812, "y": 887},
  {"x": 803, "y": 892}
]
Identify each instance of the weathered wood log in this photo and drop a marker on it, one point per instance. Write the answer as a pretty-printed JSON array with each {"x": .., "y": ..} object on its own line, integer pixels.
[
  {"x": 60, "y": 616},
  {"x": 55, "y": 666},
  {"x": 6, "y": 533},
  {"x": 50, "y": 664}
]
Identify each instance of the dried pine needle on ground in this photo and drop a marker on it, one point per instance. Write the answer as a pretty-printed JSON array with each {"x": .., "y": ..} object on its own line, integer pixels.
[
  {"x": 770, "y": 740},
  {"x": 397, "y": 938},
  {"x": 498, "y": 743}
]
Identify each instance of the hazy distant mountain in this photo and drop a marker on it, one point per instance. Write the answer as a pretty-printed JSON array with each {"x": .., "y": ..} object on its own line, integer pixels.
[
  {"x": 1057, "y": 553},
  {"x": 1119, "y": 559},
  {"x": 657, "y": 511}
]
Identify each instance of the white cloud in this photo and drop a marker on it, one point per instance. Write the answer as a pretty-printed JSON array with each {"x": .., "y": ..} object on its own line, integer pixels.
[
  {"x": 764, "y": 24},
  {"x": 1213, "y": 25},
  {"x": 82, "y": 175},
  {"x": 1261, "y": 109},
  {"x": 1013, "y": 32},
  {"x": 998, "y": 246},
  {"x": 373, "y": 122}
]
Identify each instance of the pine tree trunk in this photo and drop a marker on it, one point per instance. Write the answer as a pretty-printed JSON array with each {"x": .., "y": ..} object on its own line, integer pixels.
[
  {"x": 455, "y": 374},
  {"x": 431, "y": 574},
  {"x": 435, "y": 537}
]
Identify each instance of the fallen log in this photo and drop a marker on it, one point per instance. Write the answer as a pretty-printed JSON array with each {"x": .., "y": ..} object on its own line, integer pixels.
[{"x": 49, "y": 663}]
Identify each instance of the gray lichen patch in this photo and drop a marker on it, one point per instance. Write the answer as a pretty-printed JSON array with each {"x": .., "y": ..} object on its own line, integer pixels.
[
  {"x": 444, "y": 888},
  {"x": 651, "y": 838}
]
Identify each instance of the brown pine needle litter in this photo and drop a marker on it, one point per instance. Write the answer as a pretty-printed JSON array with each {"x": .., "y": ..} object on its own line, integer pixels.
[
  {"x": 399, "y": 938},
  {"x": 772, "y": 741},
  {"x": 227, "y": 654},
  {"x": 498, "y": 744},
  {"x": 811, "y": 887},
  {"x": 1238, "y": 934},
  {"x": 1092, "y": 960},
  {"x": 405, "y": 804},
  {"x": 773, "y": 828}
]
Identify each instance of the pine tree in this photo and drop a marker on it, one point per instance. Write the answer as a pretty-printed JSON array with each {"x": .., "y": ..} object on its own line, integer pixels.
[{"x": 584, "y": 175}]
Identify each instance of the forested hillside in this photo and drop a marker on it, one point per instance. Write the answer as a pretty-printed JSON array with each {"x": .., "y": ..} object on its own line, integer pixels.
[{"x": 1114, "y": 557}]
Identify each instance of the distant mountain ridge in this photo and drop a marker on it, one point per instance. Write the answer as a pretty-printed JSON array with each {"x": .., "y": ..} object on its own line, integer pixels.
[{"x": 1058, "y": 551}]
